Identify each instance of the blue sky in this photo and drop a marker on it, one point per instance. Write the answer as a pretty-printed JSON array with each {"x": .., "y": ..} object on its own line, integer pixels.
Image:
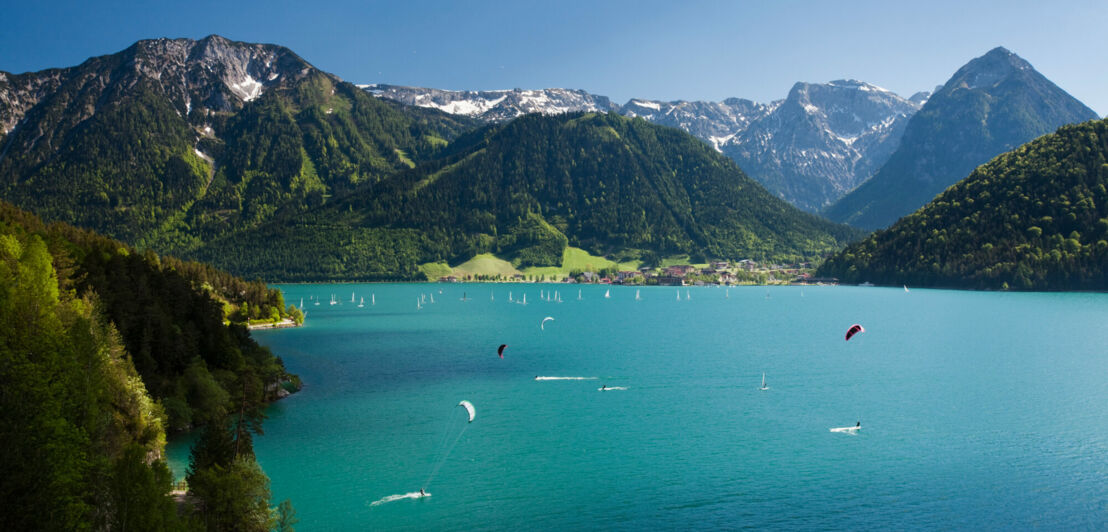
[{"x": 706, "y": 50}]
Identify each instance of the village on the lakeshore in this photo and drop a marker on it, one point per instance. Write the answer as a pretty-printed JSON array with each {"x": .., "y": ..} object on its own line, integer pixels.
[{"x": 724, "y": 273}]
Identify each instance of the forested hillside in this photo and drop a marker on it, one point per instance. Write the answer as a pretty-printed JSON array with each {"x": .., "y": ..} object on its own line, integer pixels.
[
  {"x": 1035, "y": 218},
  {"x": 103, "y": 351},
  {"x": 172, "y": 142},
  {"x": 524, "y": 190}
]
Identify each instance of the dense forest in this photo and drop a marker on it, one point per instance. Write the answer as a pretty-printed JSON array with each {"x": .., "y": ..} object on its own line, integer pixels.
[
  {"x": 1035, "y": 218},
  {"x": 104, "y": 350},
  {"x": 525, "y": 190}
]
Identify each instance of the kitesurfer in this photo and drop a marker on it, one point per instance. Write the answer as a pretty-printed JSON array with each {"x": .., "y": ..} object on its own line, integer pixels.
[
  {"x": 859, "y": 425},
  {"x": 603, "y": 387},
  {"x": 421, "y": 494}
]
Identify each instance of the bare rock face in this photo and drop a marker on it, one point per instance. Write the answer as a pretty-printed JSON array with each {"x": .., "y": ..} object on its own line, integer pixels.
[
  {"x": 212, "y": 75},
  {"x": 495, "y": 105},
  {"x": 822, "y": 140}
]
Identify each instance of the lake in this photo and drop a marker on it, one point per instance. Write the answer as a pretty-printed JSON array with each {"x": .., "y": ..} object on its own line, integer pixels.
[{"x": 978, "y": 409}]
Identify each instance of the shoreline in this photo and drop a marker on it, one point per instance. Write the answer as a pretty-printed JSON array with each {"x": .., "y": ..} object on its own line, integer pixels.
[{"x": 283, "y": 324}]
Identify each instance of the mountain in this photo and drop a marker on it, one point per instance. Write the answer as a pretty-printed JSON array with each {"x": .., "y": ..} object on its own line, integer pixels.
[
  {"x": 174, "y": 141},
  {"x": 1035, "y": 218},
  {"x": 991, "y": 105},
  {"x": 713, "y": 122},
  {"x": 526, "y": 189},
  {"x": 822, "y": 140},
  {"x": 495, "y": 105},
  {"x": 810, "y": 148}
]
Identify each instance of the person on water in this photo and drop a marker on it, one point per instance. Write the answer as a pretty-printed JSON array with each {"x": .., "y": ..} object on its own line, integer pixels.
[
  {"x": 603, "y": 387},
  {"x": 859, "y": 425},
  {"x": 421, "y": 494}
]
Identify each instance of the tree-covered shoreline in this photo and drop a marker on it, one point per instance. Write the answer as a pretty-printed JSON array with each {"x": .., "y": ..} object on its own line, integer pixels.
[{"x": 103, "y": 350}]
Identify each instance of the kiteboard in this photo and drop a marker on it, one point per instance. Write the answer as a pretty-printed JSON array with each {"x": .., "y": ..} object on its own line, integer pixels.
[{"x": 848, "y": 430}]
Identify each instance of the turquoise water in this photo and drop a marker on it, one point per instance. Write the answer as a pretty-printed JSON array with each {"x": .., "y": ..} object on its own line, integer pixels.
[{"x": 978, "y": 410}]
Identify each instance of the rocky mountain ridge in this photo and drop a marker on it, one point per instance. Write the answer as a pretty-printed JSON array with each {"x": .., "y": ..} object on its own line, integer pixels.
[
  {"x": 809, "y": 148},
  {"x": 991, "y": 105}
]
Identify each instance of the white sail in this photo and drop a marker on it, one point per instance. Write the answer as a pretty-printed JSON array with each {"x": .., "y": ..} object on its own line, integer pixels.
[{"x": 608, "y": 293}]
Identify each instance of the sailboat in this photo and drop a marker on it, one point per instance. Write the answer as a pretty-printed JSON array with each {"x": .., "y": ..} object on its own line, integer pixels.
[
  {"x": 608, "y": 293},
  {"x": 351, "y": 297},
  {"x": 727, "y": 294},
  {"x": 432, "y": 297},
  {"x": 510, "y": 296},
  {"x": 578, "y": 294},
  {"x": 687, "y": 296},
  {"x": 333, "y": 300},
  {"x": 679, "y": 295},
  {"x": 764, "y": 387},
  {"x": 373, "y": 299},
  {"x": 905, "y": 288},
  {"x": 301, "y": 303},
  {"x": 361, "y": 304},
  {"x": 316, "y": 303},
  {"x": 637, "y": 296},
  {"x": 418, "y": 306}
]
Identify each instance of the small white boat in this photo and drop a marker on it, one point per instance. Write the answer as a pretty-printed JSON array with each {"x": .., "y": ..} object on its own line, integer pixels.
[
  {"x": 608, "y": 293},
  {"x": 333, "y": 300},
  {"x": 637, "y": 296},
  {"x": 764, "y": 387},
  {"x": 905, "y": 288}
]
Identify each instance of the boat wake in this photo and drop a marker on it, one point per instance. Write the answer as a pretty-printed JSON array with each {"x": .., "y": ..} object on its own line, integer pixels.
[
  {"x": 541, "y": 378},
  {"x": 392, "y": 498},
  {"x": 610, "y": 388},
  {"x": 847, "y": 430}
]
